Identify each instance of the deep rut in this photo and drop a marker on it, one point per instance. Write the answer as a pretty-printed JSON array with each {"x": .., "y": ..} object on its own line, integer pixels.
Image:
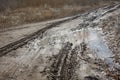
[
  {"x": 60, "y": 63},
  {"x": 66, "y": 63}
]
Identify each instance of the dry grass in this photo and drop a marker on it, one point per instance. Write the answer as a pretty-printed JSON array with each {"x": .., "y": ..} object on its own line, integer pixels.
[
  {"x": 19, "y": 16},
  {"x": 31, "y": 15}
]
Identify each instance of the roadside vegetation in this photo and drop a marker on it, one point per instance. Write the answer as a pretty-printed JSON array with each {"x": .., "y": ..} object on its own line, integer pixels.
[{"x": 19, "y": 12}]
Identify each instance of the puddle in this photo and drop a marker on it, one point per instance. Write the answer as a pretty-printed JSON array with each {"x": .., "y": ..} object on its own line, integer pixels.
[{"x": 97, "y": 43}]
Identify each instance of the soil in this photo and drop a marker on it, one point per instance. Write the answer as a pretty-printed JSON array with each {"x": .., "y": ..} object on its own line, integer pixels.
[{"x": 83, "y": 48}]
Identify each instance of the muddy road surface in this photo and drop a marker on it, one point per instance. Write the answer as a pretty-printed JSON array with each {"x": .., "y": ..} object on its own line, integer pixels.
[{"x": 83, "y": 47}]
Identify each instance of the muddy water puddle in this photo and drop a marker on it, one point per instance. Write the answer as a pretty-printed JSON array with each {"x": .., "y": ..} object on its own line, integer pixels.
[{"x": 98, "y": 45}]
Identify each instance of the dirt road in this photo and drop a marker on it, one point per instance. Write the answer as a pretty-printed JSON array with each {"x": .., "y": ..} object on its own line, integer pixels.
[{"x": 78, "y": 48}]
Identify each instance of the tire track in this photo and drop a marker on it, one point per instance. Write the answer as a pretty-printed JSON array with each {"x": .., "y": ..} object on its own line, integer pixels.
[
  {"x": 66, "y": 63},
  {"x": 13, "y": 46},
  {"x": 59, "y": 63}
]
